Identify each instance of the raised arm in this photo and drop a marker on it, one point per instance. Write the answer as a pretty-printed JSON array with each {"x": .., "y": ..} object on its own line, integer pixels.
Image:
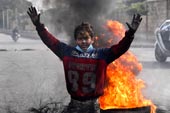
[
  {"x": 125, "y": 43},
  {"x": 46, "y": 37}
]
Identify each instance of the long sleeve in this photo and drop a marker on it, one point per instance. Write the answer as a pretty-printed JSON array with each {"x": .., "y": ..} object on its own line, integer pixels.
[
  {"x": 123, "y": 45},
  {"x": 51, "y": 42}
]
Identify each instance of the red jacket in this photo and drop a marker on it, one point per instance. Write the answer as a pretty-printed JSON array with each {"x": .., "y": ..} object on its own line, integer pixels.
[{"x": 85, "y": 72}]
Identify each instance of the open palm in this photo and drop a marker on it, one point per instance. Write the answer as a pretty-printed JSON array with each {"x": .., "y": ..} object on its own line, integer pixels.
[
  {"x": 135, "y": 22},
  {"x": 35, "y": 17}
]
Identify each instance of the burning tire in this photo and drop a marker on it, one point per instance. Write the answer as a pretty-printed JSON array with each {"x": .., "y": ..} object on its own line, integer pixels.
[
  {"x": 144, "y": 109},
  {"x": 159, "y": 56}
]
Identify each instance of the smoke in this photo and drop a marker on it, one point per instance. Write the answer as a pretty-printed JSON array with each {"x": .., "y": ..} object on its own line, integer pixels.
[
  {"x": 37, "y": 3},
  {"x": 65, "y": 15}
]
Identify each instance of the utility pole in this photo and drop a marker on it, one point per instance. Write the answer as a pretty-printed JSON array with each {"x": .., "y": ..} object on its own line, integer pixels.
[
  {"x": 16, "y": 16},
  {"x": 167, "y": 9},
  {"x": 147, "y": 23},
  {"x": 7, "y": 18},
  {"x": 3, "y": 19}
]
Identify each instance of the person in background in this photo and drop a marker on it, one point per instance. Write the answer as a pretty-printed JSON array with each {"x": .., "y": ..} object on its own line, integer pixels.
[{"x": 15, "y": 34}]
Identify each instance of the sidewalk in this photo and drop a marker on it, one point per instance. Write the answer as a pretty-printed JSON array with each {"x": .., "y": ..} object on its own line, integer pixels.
[
  {"x": 143, "y": 41},
  {"x": 143, "y": 44}
]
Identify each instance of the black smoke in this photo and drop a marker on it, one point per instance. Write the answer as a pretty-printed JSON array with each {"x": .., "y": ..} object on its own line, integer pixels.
[{"x": 67, "y": 14}]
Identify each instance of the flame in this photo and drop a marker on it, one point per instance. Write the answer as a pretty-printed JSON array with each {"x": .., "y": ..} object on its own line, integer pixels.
[
  {"x": 123, "y": 89},
  {"x": 116, "y": 28}
]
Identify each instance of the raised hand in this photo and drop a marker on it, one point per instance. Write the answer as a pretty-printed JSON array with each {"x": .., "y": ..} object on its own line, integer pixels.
[
  {"x": 35, "y": 17},
  {"x": 135, "y": 23}
]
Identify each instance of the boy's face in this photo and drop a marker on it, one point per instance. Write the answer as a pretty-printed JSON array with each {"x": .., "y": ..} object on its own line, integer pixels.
[{"x": 84, "y": 40}]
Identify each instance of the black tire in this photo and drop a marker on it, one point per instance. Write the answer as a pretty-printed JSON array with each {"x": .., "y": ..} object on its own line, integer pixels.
[
  {"x": 15, "y": 38},
  {"x": 159, "y": 56}
]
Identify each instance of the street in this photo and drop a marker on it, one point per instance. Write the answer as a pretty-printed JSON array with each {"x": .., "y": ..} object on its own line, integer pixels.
[
  {"x": 156, "y": 77},
  {"x": 31, "y": 74}
]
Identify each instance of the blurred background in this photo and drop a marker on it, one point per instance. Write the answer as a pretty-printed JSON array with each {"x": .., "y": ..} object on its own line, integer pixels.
[
  {"x": 61, "y": 16},
  {"x": 32, "y": 76}
]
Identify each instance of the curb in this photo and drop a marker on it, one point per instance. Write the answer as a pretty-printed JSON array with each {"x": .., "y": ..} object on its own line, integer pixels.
[{"x": 142, "y": 46}]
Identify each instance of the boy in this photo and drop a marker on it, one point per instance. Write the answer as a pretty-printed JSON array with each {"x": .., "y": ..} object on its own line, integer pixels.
[{"x": 84, "y": 65}]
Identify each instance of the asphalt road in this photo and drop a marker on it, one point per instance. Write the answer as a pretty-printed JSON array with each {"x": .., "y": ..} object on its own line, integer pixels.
[{"x": 31, "y": 74}]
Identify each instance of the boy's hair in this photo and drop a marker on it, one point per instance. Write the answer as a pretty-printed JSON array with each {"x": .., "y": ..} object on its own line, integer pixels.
[{"x": 84, "y": 26}]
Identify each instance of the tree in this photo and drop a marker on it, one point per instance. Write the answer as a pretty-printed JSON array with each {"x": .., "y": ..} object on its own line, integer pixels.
[
  {"x": 10, "y": 11},
  {"x": 136, "y": 6}
]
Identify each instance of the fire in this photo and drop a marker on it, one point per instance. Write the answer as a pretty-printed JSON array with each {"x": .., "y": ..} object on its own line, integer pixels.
[
  {"x": 116, "y": 28},
  {"x": 123, "y": 89}
]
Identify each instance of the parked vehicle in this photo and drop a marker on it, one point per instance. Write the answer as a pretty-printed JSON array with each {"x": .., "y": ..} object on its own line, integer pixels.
[{"x": 162, "y": 44}]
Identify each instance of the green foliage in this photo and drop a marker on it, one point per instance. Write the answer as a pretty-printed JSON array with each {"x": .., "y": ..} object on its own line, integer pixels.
[
  {"x": 136, "y": 6},
  {"x": 129, "y": 2}
]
